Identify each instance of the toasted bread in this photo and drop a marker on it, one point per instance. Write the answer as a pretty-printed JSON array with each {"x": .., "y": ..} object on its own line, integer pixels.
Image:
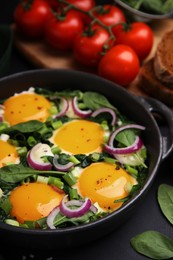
[
  {"x": 152, "y": 86},
  {"x": 163, "y": 60}
]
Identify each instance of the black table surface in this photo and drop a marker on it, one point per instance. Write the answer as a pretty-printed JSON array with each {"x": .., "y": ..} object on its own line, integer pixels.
[{"x": 115, "y": 245}]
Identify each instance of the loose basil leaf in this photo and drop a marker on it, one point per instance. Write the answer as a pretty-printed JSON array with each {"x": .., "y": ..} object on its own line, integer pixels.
[
  {"x": 153, "y": 244},
  {"x": 94, "y": 100},
  {"x": 165, "y": 200}
]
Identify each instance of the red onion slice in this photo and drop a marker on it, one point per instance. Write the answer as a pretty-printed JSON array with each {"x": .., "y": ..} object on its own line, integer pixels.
[
  {"x": 79, "y": 203},
  {"x": 105, "y": 110},
  {"x": 130, "y": 149},
  {"x": 61, "y": 167},
  {"x": 79, "y": 112},
  {"x": 51, "y": 217},
  {"x": 34, "y": 157},
  {"x": 126, "y": 150},
  {"x": 77, "y": 212},
  {"x": 64, "y": 107}
]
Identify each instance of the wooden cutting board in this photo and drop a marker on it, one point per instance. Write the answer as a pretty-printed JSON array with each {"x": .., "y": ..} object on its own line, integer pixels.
[{"x": 43, "y": 56}]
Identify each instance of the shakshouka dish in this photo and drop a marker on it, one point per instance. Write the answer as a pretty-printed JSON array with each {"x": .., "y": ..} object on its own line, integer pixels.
[{"x": 67, "y": 158}]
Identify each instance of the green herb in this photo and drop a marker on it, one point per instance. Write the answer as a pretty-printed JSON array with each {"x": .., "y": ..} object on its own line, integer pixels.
[
  {"x": 152, "y": 243},
  {"x": 94, "y": 100},
  {"x": 16, "y": 173},
  {"x": 151, "y": 6},
  {"x": 27, "y": 127},
  {"x": 126, "y": 137},
  {"x": 61, "y": 219},
  {"x": 5, "y": 204},
  {"x": 165, "y": 199}
]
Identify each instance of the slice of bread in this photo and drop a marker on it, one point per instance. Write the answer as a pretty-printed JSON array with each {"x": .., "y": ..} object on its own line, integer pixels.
[
  {"x": 151, "y": 85},
  {"x": 163, "y": 61}
]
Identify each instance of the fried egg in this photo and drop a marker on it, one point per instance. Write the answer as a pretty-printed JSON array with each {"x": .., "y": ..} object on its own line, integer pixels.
[
  {"x": 8, "y": 153},
  {"x": 26, "y": 106},
  {"x": 33, "y": 201},
  {"x": 79, "y": 137},
  {"x": 104, "y": 183}
]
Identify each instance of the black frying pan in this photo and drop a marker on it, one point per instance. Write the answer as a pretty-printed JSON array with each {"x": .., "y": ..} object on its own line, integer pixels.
[{"x": 158, "y": 140}]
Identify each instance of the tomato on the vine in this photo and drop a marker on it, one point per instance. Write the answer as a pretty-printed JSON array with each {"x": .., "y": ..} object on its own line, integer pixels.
[
  {"x": 62, "y": 29},
  {"x": 30, "y": 17},
  {"x": 120, "y": 65},
  {"x": 83, "y": 5},
  {"x": 109, "y": 14},
  {"x": 53, "y": 3},
  {"x": 137, "y": 35},
  {"x": 90, "y": 44}
]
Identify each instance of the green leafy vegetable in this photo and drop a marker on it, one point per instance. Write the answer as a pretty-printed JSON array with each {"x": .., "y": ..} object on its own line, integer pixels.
[
  {"x": 16, "y": 172},
  {"x": 61, "y": 219},
  {"x": 153, "y": 244},
  {"x": 151, "y": 6},
  {"x": 165, "y": 199},
  {"x": 126, "y": 137},
  {"x": 94, "y": 100},
  {"x": 27, "y": 127}
]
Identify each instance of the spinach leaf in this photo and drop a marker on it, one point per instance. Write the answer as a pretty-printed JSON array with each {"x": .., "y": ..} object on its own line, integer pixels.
[
  {"x": 63, "y": 93},
  {"x": 26, "y": 127},
  {"x": 16, "y": 173},
  {"x": 153, "y": 244},
  {"x": 158, "y": 6},
  {"x": 155, "y": 6},
  {"x": 165, "y": 200},
  {"x": 94, "y": 100},
  {"x": 5, "y": 205},
  {"x": 61, "y": 219},
  {"x": 126, "y": 137},
  {"x": 134, "y": 3},
  {"x": 151, "y": 6}
]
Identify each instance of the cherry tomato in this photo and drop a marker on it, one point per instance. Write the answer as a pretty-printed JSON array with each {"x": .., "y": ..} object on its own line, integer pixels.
[
  {"x": 84, "y": 5},
  {"x": 109, "y": 14},
  {"x": 137, "y": 35},
  {"x": 120, "y": 65},
  {"x": 53, "y": 3},
  {"x": 89, "y": 45},
  {"x": 61, "y": 31},
  {"x": 30, "y": 19}
]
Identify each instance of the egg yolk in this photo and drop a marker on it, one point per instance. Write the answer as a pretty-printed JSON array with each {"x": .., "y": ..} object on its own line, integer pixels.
[
  {"x": 104, "y": 183},
  {"x": 8, "y": 153},
  {"x": 80, "y": 137},
  {"x": 25, "y": 107},
  {"x": 33, "y": 201}
]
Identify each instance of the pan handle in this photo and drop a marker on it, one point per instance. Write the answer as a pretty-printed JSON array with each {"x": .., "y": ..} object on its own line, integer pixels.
[{"x": 164, "y": 118}]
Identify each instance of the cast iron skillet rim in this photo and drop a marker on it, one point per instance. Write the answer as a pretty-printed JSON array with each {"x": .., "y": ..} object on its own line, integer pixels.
[{"x": 125, "y": 207}]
